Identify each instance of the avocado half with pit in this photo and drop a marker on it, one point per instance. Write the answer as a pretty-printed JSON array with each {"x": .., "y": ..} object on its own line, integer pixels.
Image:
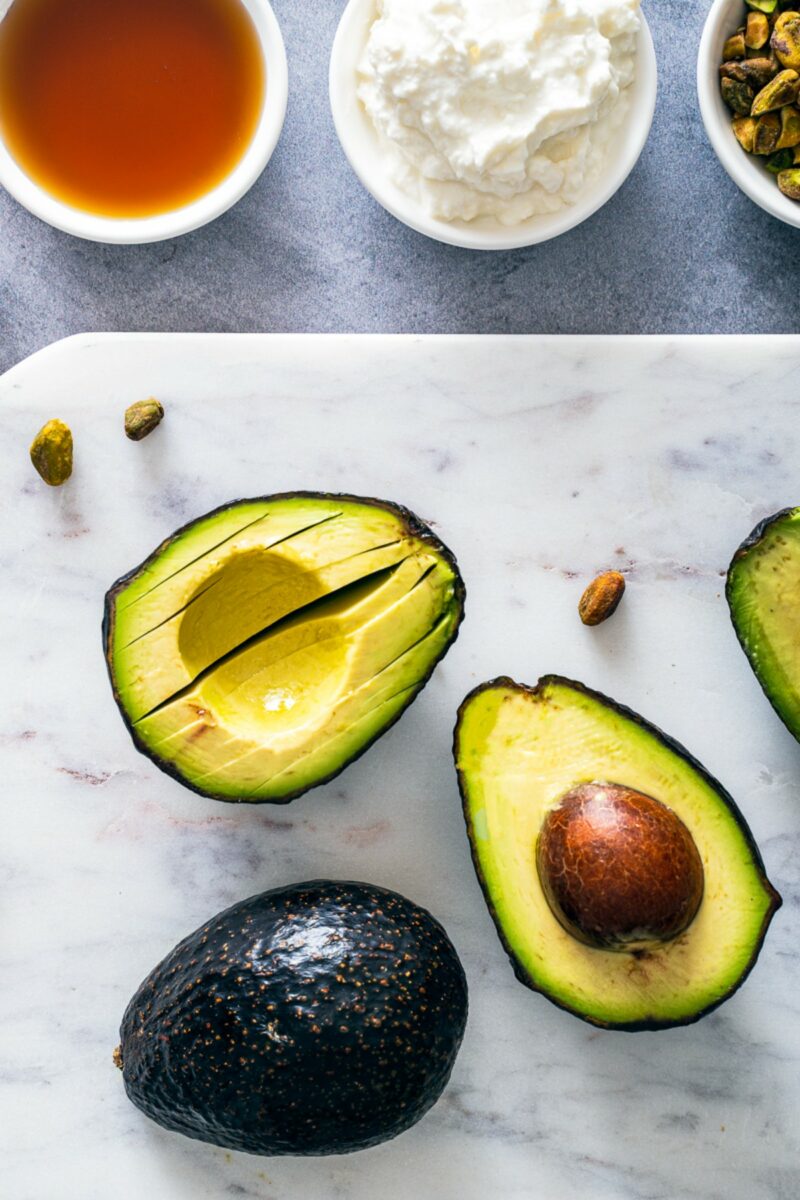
[
  {"x": 623, "y": 880},
  {"x": 263, "y": 647},
  {"x": 763, "y": 591}
]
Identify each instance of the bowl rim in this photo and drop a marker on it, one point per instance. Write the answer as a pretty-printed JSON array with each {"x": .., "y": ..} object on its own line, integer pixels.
[
  {"x": 162, "y": 226},
  {"x": 744, "y": 169},
  {"x": 483, "y": 233}
]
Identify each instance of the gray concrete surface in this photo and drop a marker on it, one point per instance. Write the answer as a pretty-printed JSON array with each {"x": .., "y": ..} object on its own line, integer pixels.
[{"x": 678, "y": 250}]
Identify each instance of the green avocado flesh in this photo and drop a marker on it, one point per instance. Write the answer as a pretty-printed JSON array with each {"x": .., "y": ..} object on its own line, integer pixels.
[
  {"x": 763, "y": 591},
  {"x": 518, "y": 751},
  {"x": 264, "y": 646}
]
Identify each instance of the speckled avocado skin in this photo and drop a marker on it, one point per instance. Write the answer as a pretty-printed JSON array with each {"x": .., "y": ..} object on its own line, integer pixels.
[{"x": 319, "y": 1018}]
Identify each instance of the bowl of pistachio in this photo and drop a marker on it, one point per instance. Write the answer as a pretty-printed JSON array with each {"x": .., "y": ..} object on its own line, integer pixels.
[{"x": 748, "y": 83}]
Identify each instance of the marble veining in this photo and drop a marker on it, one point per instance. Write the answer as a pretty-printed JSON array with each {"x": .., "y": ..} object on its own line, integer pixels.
[{"x": 539, "y": 461}]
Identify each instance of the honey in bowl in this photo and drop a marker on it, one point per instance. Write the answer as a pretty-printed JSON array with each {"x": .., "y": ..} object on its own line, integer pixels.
[{"x": 129, "y": 108}]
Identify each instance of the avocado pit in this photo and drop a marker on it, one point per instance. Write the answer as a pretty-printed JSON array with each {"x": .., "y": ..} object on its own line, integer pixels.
[{"x": 619, "y": 869}]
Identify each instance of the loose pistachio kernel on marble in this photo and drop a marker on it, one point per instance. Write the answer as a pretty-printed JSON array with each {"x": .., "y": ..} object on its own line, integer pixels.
[
  {"x": 142, "y": 418},
  {"x": 51, "y": 453},
  {"x": 601, "y": 598}
]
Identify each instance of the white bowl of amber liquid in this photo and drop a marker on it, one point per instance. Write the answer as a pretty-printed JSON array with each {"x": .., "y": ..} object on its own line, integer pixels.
[{"x": 137, "y": 120}]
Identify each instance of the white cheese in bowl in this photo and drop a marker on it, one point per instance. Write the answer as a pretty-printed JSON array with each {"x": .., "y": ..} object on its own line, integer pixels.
[{"x": 498, "y": 108}]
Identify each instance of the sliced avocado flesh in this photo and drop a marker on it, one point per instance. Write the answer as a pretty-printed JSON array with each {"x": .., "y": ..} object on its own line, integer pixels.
[
  {"x": 763, "y": 591},
  {"x": 264, "y": 646},
  {"x": 518, "y": 751}
]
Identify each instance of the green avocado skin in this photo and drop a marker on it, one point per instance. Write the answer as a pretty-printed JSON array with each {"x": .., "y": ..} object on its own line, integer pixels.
[
  {"x": 319, "y": 1018},
  {"x": 785, "y": 703}
]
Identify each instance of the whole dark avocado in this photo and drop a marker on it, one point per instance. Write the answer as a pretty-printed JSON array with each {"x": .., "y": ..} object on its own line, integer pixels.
[{"x": 319, "y": 1018}]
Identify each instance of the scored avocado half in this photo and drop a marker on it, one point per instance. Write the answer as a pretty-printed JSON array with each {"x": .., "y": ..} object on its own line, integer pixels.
[
  {"x": 763, "y": 591},
  {"x": 263, "y": 647},
  {"x": 623, "y": 880}
]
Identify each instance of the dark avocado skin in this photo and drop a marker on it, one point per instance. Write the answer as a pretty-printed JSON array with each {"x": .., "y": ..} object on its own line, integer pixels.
[
  {"x": 649, "y": 1025},
  {"x": 318, "y": 1018},
  {"x": 416, "y": 528},
  {"x": 756, "y": 535},
  {"x": 749, "y": 543}
]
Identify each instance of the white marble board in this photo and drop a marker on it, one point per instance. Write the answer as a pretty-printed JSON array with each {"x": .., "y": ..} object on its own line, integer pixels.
[{"x": 539, "y": 460}]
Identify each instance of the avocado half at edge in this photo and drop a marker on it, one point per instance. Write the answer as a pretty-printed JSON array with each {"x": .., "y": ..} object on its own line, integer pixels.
[
  {"x": 319, "y": 1018},
  {"x": 267, "y": 644},
  {"x": 518, "y": 751},
  {"x": 763, "y": 594}
]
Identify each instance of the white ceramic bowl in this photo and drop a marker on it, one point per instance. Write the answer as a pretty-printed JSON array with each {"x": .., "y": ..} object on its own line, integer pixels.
[
  {"x": 135, "y": 230},
  {"x": 360, "y": 143},
  {"x": 746, "y": 170}
]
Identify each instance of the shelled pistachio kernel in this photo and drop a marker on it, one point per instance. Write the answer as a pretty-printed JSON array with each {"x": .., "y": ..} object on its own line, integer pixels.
[
  {"x": 767, "y": 132},
  {"x": 757, "y": 72},
  {"x": 763, "y": 6},
  {"x": 790, "y": 128},
  {"x": 734, "y": 47},
  {"x": 760, "y": 70},
  {"x": 744, "y": 129},
  {"x": 789, "y": 183},
  {"x": 780, "y": 161},
  {"x": 738, "y": 96},
  {"x": 779, "y": 91},
  {"x": 756, "y": 32},
  {"x": 785, "y": 40},
  {"x": 142, "y": 418},
  {"x": 51, "y": 453},
  {"x": 601, "y": 598}
]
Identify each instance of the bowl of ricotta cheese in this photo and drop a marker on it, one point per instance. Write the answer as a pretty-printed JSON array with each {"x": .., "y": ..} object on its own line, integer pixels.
[{"x": 492, "y": 124}]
